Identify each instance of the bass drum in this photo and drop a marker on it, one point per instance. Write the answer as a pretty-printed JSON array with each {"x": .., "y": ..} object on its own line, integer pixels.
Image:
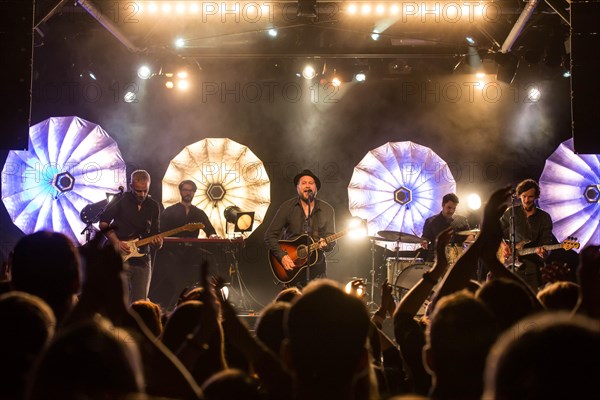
[{"x": 409, "y": 278}]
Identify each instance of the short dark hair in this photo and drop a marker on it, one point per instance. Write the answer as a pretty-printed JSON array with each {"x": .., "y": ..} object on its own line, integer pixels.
[
  {"x": 450, "y": 197},
  {"x": 187, "y": 182},
  {"x": 526, "y": 185}
]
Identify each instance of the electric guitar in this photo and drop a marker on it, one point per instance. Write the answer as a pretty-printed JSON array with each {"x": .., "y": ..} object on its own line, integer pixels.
[
  {"x": 302, "y": 251},
  {"x": 568, "y": 244},
  {"x": 135, "y": 244}
]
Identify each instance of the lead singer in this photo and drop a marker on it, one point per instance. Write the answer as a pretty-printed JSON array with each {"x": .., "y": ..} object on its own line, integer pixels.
[{"x": 302, "y": 215}]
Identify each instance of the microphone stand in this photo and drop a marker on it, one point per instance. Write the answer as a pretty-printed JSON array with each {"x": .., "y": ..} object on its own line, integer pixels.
[
  {"x": 109, "y": 204},
  {"x": 308, "y": 233},
  {"x": 513, "y": 233}
]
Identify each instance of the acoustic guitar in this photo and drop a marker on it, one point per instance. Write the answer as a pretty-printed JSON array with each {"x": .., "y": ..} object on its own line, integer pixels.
[
  {"x": 303, "y": 252},
  {"x": 135, "y": 244}
]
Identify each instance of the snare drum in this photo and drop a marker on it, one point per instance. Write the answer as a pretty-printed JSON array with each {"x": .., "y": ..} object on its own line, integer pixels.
[{"x": 396, "y": 266}]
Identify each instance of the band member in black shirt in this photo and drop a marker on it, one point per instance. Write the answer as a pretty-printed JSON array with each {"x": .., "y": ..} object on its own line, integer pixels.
[
  {"x": 134, "y": 215},
  {"x": 178, "y": 264},
  {"x": 293, "y": 219},
  {"x": 533, "y": 228}
]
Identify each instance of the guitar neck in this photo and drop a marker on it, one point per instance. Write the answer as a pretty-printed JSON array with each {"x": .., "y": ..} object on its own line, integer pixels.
[
  {"x": 329, "y": 239},
  {"x": 149, "y": 239},
  {"x": 524, "y": 252}
]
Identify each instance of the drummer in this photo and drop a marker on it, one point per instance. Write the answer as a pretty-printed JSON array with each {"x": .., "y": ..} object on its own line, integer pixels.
[{"x": 437, "y": 223}]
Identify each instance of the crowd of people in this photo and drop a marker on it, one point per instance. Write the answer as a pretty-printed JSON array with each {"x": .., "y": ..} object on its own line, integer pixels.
[{"x": 71, "y": 329}]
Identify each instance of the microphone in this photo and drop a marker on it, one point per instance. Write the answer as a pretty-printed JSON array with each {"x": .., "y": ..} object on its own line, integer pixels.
[{"x": 310, "y": 195}]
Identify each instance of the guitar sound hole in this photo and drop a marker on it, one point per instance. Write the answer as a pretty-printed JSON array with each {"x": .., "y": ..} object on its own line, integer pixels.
[{"x": 301, "y": 251}]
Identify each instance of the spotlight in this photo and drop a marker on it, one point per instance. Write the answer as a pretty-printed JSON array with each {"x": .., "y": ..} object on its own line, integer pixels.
[
  {"x": 566, "y": 74},
  {"x": 360, "y": 77},
  {"x": 335, "y": 81},
  {"x": 474, "y": 201},
  {"x": 357, "y": 228},
  {"x": 352, "y": 9},
  {"x": 507, "y": 67},
  {"x": 272, "y": 32},
  {"x": 241, "y": 220},
  {"x": 375, "y": 36},
  {"x": 144, "y": 72},
  {"x": 307, "y": 8},
  {"x": 169, "y": 84},
  {"x": 225, "y": 292},
  {"x": 129, "y": 97},
  {"x": 183, "y": 85},
  {"x": 534, "y": 94},
  {"x": 470, "y": 40},
  {"x": 309, "y": 72},
  {"x": 592, "y": 193},
  {"x": 179, "y": 42}
]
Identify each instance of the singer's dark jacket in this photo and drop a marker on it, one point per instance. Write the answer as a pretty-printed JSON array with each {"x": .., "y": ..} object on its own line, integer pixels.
[
  {"x": 290, "y": 222},
  {"x": 129, "y": 222}
]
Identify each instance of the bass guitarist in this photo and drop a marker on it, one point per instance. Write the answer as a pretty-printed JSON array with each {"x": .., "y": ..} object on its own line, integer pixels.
[
  {"x": 133, "y": 215},
  {"x": 309, "y": 220},
  {"x": 533, "y": 228}
]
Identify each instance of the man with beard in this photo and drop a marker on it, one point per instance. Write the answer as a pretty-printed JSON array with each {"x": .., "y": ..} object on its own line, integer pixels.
[
  {"x": 178, "y": 264},
  {"x": 533, "y": 229},
  {"x": 134, "y": 215},
  {"x": 302, "y": 215}
]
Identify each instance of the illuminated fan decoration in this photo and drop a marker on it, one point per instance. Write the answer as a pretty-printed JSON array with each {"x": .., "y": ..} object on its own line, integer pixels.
[
  {"x": 70, "y": 163},
  {"x": 398, "y": 186},
  {"x": 226, "y": 174},
  {"x": 570, "y": 192}
]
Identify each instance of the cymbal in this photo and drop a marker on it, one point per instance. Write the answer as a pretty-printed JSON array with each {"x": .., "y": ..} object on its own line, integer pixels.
[
  {"x": 468, "y": 233},
  {"x": 380, "y": 239},
  {"x": 400, "y": 237}
]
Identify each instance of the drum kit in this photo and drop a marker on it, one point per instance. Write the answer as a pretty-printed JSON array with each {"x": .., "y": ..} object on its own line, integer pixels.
[{"x": 404, "y": 272}]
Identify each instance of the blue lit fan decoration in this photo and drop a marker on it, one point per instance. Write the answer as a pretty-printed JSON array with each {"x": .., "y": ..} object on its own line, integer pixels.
[
  {"x": 70, "y": 163},
  {"x": 399, "y": 185},
  {"x": 570, "y": 192}
]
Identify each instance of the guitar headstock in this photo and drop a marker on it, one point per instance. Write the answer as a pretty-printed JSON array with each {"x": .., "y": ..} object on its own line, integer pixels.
[
  {"x": 570, "y": 243},
  {"x": 192, "y": 226}
]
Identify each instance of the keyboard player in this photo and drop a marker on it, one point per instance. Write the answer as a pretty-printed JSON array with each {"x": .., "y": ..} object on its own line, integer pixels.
[{"x": 178, "y": 264}]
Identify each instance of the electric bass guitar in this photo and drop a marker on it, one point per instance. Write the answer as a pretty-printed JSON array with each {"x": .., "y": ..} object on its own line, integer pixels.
[
  {"x": 302, "y": 251},
  {"x": 135, "y": 244},
  {"x": 568, "y": 244}
]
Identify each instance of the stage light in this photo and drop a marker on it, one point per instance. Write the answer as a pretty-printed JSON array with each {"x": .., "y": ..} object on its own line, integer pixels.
[
  {"x": 357, "y": 228},
  {"x": 534, "y": 94},
  {"x": 470, "y": 40},
  {"x": 366, "y": 9},
  {"x": 169, "y": 84},
  {"x": 474, "y": 201},
  {"x": 180, "y": 8},
  {"x": 179, "y": 42},
  {"x": 352, "y": 9},
  {"x": 194, "y": 8},
  {"x": 129, "y": 97},
  {"x": 166, "y": 8},
  {"x": 152, "y": 8},
  {"x": 379, "y": 9},
  {"x": 309, "y": 72},
  {"x": 360, "y": 77},
  {"x": 307, "y": 8},
  {"x": 182, "y": 74},
  {"x": 241, "y": 220},
  {"x": 144, "y": 72},
  {"x": 566, "y": 74},
  {"x": 183, "y": 85},
  {"x": 272, "y": 32},
  {"x": 335, "y": 81},
  {"x": 375, "y": 36},
  {"x": 394, "y": 9}
]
